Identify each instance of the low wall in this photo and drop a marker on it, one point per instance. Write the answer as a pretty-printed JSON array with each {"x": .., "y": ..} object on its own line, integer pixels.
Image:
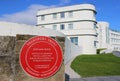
[{"x": 10, "y": 69}]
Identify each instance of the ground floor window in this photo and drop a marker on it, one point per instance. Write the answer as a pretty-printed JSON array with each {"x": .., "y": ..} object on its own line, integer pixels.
[{"x": 74, "y": 40}]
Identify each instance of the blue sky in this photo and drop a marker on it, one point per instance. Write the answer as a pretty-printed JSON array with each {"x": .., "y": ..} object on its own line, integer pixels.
[{"x": 24, "y": 11}]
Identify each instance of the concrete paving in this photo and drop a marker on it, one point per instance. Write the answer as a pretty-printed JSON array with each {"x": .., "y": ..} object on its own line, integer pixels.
[
  {"x": 70, "y": 71},
  {"x": 109, "y": 78},
  {"x": 116, "y": 53},
  {"x": 75, "y": 77}
]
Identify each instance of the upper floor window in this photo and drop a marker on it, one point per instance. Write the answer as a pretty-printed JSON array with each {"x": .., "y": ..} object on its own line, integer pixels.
[
  {"x": 54, "y": 27},
  {"x": 62, "y": 14},
  {"x": 70, "y": 14},
  {"x": 74, "y": 40},
  {"x": 95, "y": 26},
  {"x": 70, "y": 26},
  {"x": 42, "y": 17},
  {"x": 54, "y": 15},
  {"x": 62, "y": 27}
]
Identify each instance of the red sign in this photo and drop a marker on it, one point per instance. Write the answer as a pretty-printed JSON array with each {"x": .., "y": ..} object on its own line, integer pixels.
[{"x": 41, "y": 57}]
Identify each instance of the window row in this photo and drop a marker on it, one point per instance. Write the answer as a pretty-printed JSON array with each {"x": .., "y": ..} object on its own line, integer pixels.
[
  {"x": 115, "y": 35},
  {"x": 116, "y": 48},
  {"x": 62, "y": 15},
  {"x": 75, "y": 41},
  {"x": 62, "y": 26},
  {"x": 115, "y": 40}
]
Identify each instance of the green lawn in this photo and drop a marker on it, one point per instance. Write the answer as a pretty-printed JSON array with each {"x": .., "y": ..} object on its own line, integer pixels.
[{"x": 96, "y": 65}]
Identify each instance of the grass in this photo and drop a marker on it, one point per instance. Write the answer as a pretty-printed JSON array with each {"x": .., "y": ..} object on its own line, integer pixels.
[{"x": 96, "y": 65}]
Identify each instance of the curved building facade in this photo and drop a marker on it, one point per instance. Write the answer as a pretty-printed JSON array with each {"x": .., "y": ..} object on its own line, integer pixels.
[{"x": 77, "y": 22}]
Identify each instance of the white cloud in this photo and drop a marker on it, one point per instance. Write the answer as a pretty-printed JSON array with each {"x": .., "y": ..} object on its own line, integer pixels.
[{"x": 27, "y": 16}]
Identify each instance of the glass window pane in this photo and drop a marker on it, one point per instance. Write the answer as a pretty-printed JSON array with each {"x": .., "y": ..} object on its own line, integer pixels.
[
  {"x": 70, "y": 13},
  {"x": 54, "y": 27},
  {"x": 70, "y": 26},
  {"x": 62, "y": 27},
  {"x": 55, "y": 16},
  {"x": 62, "y": 15},
  {"x": 42, "y": 17},
  {"x": 74, "y": 40},
  {"x": 95, "y": 43}
]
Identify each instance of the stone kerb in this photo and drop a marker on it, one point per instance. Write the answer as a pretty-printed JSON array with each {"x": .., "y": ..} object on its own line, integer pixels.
[{"x": 10, "y": 69}]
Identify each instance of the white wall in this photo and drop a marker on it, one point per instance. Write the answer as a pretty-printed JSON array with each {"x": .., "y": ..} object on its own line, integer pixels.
[
  {"x": 103, "y": 35},
  {"x": 114, "y": 40},
  {"x": 80, "y": 12},
  {"x": 83, "y": 21},
  {"x": 72, "y": 50},
  {"x": 11, "y": 29},
  {"x": 87, "y": 43},
  {"x": 109, "y": 40}
]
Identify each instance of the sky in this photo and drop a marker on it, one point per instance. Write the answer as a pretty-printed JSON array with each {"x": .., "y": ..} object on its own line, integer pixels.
[{"x": 24, "y": 11}]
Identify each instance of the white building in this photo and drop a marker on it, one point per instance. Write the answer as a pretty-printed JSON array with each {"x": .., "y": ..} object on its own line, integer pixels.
[
  {"x": 114, "y": 40},
  {"x": 77, "y": 22},
  {"x": 103, "y": 35},
  {"x": 107, "y": 38}
]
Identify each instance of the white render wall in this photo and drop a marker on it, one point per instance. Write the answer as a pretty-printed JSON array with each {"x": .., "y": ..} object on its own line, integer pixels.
[
  {"x": 83, "y": 21},
  {"x": 107, "y": 38},
  {"x": 103, "y": 34},
  {"x": 12, "y": 29},
  {"x": 81, "y": 12},
  {"x": 114, "y": 40}
]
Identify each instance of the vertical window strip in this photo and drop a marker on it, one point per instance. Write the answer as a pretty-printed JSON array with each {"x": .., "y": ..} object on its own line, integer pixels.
[{"x": 62, "y": 27}]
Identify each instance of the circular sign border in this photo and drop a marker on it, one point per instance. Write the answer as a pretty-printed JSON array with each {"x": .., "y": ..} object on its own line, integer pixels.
[{"x": 59, "y": 50}]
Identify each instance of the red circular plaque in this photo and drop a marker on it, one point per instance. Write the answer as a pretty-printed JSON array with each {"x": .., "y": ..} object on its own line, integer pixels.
[{"x": 41, "y": 57}]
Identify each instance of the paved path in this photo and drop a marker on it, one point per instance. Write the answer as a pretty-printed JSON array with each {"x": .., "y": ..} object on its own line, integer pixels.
[
  {"x": 109, "y": 78},
  {"x": 116, "y": 53},
  {"x": 71, "y": 72}
]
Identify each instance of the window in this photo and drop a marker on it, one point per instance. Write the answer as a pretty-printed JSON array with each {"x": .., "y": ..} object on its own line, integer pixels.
[
  {"x": 94, "y": 26},
  {"x": 62, "y": 27},
  {"x": 95, "y": 43},
  {"x": 55, "y": 16},
  {"x": 107, "y": 35},
  {"x": 70, "y": 26},
  {"x": 54, "y": 27},
  {"x": 62, "y": 15},
  {"x": 70, "y": 14},
  {"x": 42, "y": 17},
  {"x": 74, "y": 40}
]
